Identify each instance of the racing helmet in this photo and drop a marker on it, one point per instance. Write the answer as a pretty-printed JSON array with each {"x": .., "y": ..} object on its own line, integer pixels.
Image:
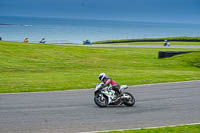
[{"x": 102, "y": 76}]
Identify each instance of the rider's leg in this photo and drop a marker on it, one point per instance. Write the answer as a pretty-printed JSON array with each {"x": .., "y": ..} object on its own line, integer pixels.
[{"x": 116, "y": 89}]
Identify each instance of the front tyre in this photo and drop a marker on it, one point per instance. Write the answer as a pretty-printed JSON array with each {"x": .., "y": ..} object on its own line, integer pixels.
[
  {"x": 100, "y": 100},
  {"x": 129, "y": 99}
]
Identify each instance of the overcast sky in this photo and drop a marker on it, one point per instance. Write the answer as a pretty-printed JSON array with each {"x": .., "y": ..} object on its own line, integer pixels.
[{"x": 134, "y": 10}]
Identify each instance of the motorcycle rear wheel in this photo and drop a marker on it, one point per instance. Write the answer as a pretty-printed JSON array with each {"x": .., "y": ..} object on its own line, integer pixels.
[{"x": 129, "y": 101}]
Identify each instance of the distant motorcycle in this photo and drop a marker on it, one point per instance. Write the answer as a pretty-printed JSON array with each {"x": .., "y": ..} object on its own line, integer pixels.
[{"x": 104, "y": 96}]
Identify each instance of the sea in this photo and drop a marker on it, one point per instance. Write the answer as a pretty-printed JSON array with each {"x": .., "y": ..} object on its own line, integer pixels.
[{"x": 63, "y": 30}]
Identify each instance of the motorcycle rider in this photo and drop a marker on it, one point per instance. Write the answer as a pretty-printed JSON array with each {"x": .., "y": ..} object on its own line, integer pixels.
[{"x": 110, "y": 83}]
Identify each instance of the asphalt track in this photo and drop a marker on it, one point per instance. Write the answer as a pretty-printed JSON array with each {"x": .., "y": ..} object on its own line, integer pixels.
[{"x": 74, "y": 111}]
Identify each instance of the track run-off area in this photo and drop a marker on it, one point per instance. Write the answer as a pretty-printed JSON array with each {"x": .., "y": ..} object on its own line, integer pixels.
[{"x": 74, "y": 110}]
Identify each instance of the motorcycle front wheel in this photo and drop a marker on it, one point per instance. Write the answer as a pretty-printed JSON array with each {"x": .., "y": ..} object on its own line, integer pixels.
[
  {"x": 100, "y": 100},
  {"x": 129, "y": 99}
]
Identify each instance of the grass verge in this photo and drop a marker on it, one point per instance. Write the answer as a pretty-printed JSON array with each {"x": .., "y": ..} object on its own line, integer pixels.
[
  {"x": 35, "y": 67},
  {"x": 177, "y": 129},
  {"x": 157, "y": 43},
  {"x": 179, "y": 39}
]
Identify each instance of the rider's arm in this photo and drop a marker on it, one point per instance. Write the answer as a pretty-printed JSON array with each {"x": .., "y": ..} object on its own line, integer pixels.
[{"x": 108, "y": 82}]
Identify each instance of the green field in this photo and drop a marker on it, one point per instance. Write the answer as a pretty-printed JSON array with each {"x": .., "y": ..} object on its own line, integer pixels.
[
  {"x": 36, "y": 67},
  {"x": 177, "y": 129}
]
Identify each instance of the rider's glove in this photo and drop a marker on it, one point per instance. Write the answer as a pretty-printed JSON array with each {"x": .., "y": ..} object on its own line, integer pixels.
[{"x": 103, "y": 86}]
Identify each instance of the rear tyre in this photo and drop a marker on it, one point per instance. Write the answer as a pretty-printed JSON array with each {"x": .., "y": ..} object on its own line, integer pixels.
[
  {"x": 100, "y": 100},
  {"x": 129, "y": 99}
]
